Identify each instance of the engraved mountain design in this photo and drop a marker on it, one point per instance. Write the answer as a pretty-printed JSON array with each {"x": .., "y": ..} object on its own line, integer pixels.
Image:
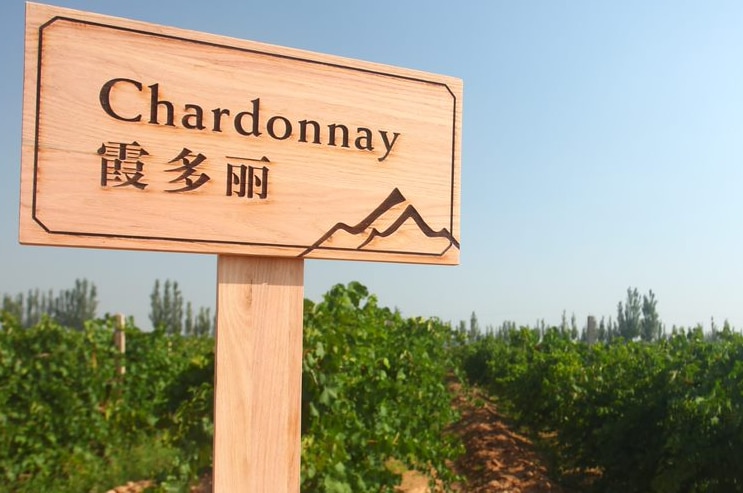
[{"x": 394, "y": 217}]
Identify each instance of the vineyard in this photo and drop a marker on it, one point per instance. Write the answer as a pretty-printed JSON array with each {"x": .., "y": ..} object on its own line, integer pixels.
[
  {"x": 665, "y": 416},
  {"x": 630, "y": 416},
  {"x": 374, "y": 402}
]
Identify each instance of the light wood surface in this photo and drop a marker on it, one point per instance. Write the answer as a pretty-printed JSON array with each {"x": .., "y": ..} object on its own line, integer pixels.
[
  {"x": 330, "y": 141},
  {"x": 258, "y": 381}
]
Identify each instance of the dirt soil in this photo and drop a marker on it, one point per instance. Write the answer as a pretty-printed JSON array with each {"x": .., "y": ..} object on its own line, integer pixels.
[{"x": 498, "y": 459}]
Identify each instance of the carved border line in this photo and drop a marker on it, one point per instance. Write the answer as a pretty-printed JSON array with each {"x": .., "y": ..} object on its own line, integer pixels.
[{"x": 245, "y": 50}]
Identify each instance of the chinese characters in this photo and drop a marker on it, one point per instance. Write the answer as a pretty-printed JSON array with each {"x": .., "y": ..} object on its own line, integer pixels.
[
  {"x": 120, "y": 164},
  {"x": 189, "y": 162},
  {"x": 247, "y": 180},
  {"x": 123, "y": 165}
]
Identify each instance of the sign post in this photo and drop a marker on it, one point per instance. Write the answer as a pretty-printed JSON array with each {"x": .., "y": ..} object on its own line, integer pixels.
[
  {"x": 258, "y": 374},
  {"x": 145, "y": 137}
]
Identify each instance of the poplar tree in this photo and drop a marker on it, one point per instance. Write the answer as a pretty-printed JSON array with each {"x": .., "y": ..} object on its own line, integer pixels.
[
  {"x": 73, "y": 307},
  {"x": 204, "y": 323},
  {"x": 13, "y": 305},
  {"x": 474, "y": 333},
  {"x": 70, "y": 308},
  {"x": 629, "y": 315},
  {"x": 201, "y": 324},
  {"x": 573, "y": 327},
  {"x": 651, "y": 327},
  {"x": 166, "y": 308},
  {"x": 603, "y": 333}
]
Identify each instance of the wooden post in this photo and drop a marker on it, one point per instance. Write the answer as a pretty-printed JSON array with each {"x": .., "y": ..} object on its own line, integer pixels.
[
  {"x": 258, "y": 375},
  {"x": 120, "y": 343}
]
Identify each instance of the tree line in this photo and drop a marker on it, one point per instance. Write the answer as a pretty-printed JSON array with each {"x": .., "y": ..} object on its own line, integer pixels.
[
  {"x": 637, "y": 318},
  {"x": 75, "y": 306}
]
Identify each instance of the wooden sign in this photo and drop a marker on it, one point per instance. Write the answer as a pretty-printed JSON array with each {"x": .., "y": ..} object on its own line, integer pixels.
[
  {"x": 146, "y": 137},
  {"x": 138, "y": 136}
]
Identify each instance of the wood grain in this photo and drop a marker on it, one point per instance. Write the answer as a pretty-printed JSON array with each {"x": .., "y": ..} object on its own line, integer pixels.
[
  {"x": 258, "y": 380},
  {"x": 339, "y": 137}
]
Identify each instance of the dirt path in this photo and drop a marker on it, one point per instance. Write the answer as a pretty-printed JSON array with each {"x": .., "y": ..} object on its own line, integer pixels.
[{"x": 497, "y": 458}]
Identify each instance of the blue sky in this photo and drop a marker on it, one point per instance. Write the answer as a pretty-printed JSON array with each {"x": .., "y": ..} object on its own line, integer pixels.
[{"x": 602, "y": 149}]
